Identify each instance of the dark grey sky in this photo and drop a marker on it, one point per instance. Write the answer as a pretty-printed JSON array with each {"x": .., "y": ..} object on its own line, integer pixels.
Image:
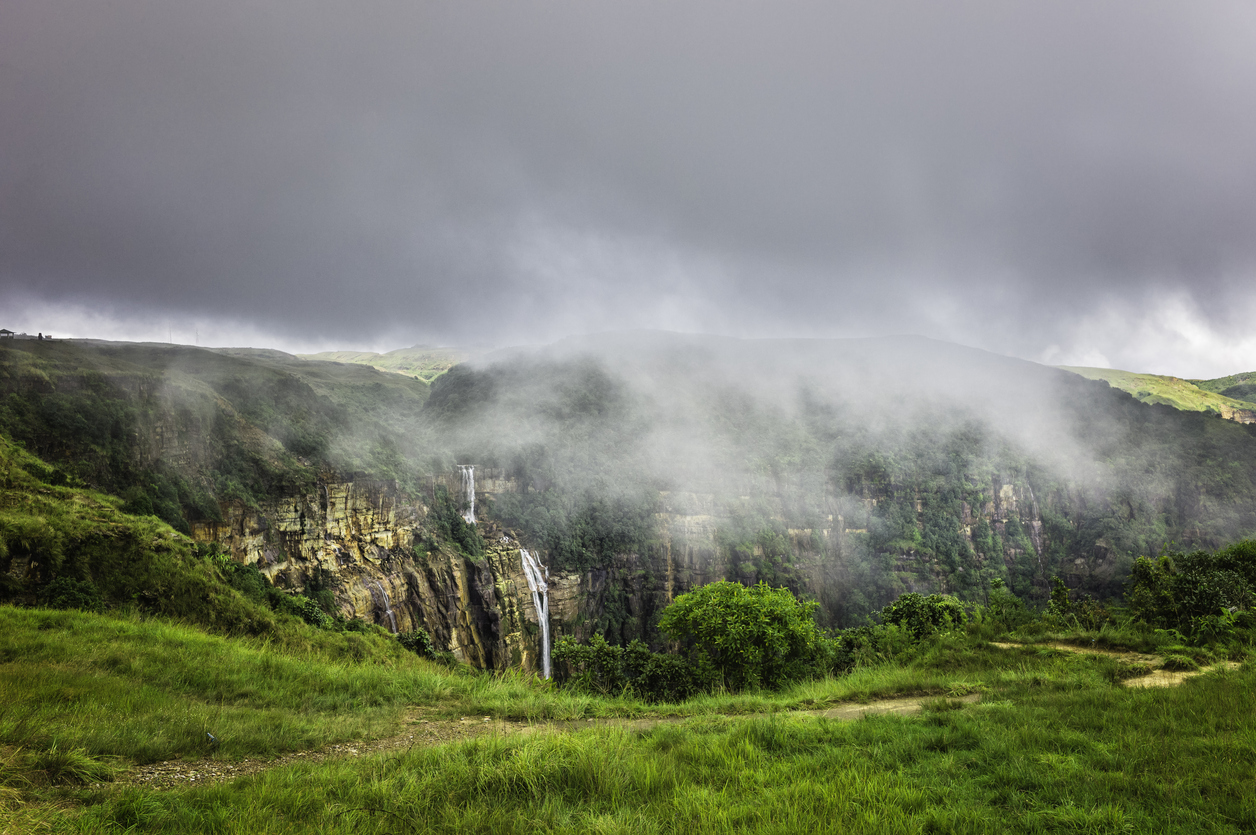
[{"x": 1061, "y": 181}]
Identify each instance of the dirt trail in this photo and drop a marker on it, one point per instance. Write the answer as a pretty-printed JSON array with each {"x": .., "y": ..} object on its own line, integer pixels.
[
  {"x": 421, "y": 729},
  {"x": 1156, "y": 678}
]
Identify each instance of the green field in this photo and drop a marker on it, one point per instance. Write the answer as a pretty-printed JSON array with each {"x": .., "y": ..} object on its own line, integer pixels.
[
  {"x": 1056, "y": 743},
  {"x": 422, "y": 362},
  {"x": 1220, "y": 396}
]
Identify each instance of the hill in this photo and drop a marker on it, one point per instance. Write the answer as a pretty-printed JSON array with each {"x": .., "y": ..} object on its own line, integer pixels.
[
  {"x": 420, "y": 361},
  {"x": 849, "y": 470},
  {"x": 178, "y": 430},
  {"x": 1234, "y": 398},
  {"x": 1237, "y": 386}
]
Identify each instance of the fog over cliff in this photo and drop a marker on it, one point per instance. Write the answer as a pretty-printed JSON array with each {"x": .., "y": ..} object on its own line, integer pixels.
[
  {"x": 617, "y": 413},
  {"x": 1066, "y": 181}
]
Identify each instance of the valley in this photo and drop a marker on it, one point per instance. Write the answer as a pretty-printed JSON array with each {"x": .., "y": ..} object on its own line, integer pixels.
[{"x": 332, "y": 593}]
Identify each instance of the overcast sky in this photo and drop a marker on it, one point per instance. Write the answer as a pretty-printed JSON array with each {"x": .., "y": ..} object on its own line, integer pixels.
[{"x": 1068, "y": 182}]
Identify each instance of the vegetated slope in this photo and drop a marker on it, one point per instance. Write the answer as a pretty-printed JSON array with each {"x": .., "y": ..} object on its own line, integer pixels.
[
  {"x": 421, "y": 361},
  {"x": 1236, "y": 386},
  {"x": 66, "y": 546},
  {"x": 851, "y": 470},
  {"x": 1224, "y": 396},
  {"x": 177, "y": 429}
]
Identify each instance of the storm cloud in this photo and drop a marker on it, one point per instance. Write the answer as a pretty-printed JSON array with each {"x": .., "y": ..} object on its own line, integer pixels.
[{"x": 1068, "y": 182}]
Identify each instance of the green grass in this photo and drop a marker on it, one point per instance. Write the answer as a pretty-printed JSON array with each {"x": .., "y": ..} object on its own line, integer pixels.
[
  {"x": 1056, "y": 744},
  {"x": 1036, "y": 759},
  {"x": 424, "y": 363},
  {"x": 1185, "y": 395}
]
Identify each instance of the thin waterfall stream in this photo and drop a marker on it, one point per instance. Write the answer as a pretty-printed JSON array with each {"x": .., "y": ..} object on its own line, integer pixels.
[
  {"x": 468, "y": 490},
  {"x": 392, "y": 618},
  {"x": 532, "y": 570}
]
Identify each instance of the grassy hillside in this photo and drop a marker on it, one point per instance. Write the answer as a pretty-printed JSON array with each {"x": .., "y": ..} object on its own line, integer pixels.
[
  {"x": 1219, "y": 396},
  {"x": 420, "y": 361},
  {"x": 1237, "y": 386},
  {"x": 177, "y": 429},
  {"x": 73, "y": 546}
]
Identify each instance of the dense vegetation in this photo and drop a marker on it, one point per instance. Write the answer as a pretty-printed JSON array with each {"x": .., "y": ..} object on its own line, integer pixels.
[
  {"x": 854, "y": 490},
  {"x": 176, "y": 430},
  {"x": 176, "y": 652}
]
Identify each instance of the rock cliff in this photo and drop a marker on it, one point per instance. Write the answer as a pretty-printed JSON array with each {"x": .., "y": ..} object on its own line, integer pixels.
[{"x": 365, "y": 542}]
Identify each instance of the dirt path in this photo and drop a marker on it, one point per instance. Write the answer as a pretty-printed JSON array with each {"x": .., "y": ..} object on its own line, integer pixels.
[
  {"x": 421, "y": 729},
  {"x": 1156, "y": 678}
]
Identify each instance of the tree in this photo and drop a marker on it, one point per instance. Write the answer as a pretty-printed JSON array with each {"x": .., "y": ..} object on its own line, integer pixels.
[{"x": 756, "y": 637}]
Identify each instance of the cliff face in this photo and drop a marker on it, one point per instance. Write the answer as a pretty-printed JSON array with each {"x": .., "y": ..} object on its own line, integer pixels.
[{"x": 364, "y": 542}]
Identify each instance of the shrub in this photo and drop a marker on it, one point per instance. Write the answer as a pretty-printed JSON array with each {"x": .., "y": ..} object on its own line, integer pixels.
[
  {"x": 419, "y": 642},
  {"x": 753, "y": 637},
  {"x": 922, "y": 616},
  {"x": 602, "y": 668},
  {"x": 68, "y": 593}
]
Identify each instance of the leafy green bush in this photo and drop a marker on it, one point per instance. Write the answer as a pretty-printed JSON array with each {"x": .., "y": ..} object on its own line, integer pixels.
[
  {"x": 601, "y": 668},
  {"x": 923, "y": 616},
  {"x": 69, "y": 593},
  {"x": 419, "y": 642},
  {"x": 592, "y": 667},
  {"x": 1199, "y": 594},
  {"x": 753, "y": 637}
]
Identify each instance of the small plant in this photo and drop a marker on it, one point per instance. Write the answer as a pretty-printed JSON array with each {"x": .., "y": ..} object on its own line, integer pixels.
[
  {"x": 419, "y": 642},
  {"x": 71, "y": 766},
  {"x": 1179, "y": 664}
]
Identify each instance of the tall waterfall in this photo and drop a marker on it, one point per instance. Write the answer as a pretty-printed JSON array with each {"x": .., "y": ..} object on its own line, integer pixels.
[
  {"x": 532, "y": 569},
  {"x": 383, "y": 597},
  {"x": 468, "y": 489}
]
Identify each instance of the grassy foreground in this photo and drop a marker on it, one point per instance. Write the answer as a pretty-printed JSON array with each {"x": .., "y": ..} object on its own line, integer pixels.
[{"x": 1056, "y": 745}]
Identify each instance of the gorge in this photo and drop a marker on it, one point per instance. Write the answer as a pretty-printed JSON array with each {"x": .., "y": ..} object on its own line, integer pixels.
[{"x": 635, "y": 467}]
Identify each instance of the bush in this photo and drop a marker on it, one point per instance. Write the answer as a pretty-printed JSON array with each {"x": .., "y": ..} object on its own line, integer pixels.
[
  {"x": 419, "y": 642},
  {"x": 601, "y": 668},
  {"x": 68, "y": 593},
  {"x": 1198, "y": 594},
  {"x": 752, "y": 637},
  {"x": 922, "y": 616}
]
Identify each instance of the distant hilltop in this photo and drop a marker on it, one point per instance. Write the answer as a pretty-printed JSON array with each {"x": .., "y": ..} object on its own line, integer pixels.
[
  {"x": 421, "y": 361},
  {"x": 1233, "y": 397}
]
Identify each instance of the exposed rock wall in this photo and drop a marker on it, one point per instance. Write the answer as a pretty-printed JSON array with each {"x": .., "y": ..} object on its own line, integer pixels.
[{"x": 358, "y": 539}]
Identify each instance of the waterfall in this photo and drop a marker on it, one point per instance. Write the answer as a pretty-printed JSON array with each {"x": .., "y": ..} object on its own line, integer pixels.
[
  {"x": 532, "y": 569},
  {"x": 468, "y": 489},
  {"x": 392, "y": 618}
]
